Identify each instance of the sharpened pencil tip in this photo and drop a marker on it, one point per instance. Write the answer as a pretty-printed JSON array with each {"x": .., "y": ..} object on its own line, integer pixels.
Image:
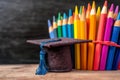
[
  {"x": 53, "y": 18},
  {"x": 112, "y": 7},
  {"x": 83, "y": 9},
  {"x": 116, "y": 9},
  {"x": 93, "y": 4},
  {"x": 98, "y": 10},
  {"x": 59, "y": 16},
  {"x": 105, "y": 3},
  {"x": 64, "y": 16},
  {"x": 89, "y": 6},
  {"x": 49, "y": 23},
  {"x": 70, "y": 12},
  {"x": 76, "y": 10}
]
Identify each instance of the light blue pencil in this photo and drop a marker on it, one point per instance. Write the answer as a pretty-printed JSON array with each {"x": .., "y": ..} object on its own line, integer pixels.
[
  {"x": 50, "y": 28},
  {"x": 70, "y": 25},
  {"x": 64, "y": 26},
  {"x": 71, "y": 35},
  {"x": 54, "y": 27}
]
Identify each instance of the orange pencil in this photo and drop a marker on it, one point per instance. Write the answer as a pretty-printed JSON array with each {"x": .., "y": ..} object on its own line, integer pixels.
[
  {"x": 83, "y": 35},
  {"x": 88, "y": 18},
  {"x": 100, "y": 35},
  {"x": 92, "y": 35}
]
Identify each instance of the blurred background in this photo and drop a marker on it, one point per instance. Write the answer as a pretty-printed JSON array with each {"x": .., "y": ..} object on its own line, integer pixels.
[{"x": 21, "y": 20}]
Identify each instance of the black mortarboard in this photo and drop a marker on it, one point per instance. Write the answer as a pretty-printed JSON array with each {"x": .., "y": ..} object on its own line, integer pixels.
[{"x": 58, "y": 53}]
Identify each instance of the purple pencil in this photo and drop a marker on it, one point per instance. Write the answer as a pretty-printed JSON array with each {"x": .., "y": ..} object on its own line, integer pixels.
[
  {"x": 108, "y": 30},
  {"x": 116, "y": 12}
]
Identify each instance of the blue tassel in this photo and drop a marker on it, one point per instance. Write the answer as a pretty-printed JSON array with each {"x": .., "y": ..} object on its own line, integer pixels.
[{"x": 42, "y": 68}]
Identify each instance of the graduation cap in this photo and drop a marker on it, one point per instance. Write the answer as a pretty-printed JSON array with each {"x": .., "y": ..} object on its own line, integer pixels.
[{"x": 58, "y": 54}]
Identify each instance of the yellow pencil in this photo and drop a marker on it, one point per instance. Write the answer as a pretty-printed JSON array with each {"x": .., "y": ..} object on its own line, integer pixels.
[
  {"x": 77, "y": 36},
  {"x": 83, "y": 35},
  {"x": 92, "y": 36}
]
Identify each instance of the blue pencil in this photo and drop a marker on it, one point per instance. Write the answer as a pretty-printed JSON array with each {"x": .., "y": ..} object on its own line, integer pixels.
[
  {"x": 64, "y": 26},
  {"x": 54, "y": 27},
  {"x": 114, "y": 38},
  {"x": 70, "y": 25},
  {"x": 118, "y": 61},
  {"x": 50, "y": 28},
  {"x": 71, "y": 35},
  {"x": 116, "y": 58}
]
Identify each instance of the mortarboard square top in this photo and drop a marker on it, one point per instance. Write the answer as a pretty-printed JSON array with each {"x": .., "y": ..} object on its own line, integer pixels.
[
  {"x": 58, "y": 57},
  {"x": 60, "y": 42}
]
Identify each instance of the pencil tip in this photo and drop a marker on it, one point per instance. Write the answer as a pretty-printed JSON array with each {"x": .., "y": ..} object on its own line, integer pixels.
[
  {"x": 53, "y": 18},
  {"x": 89, "y": 6},
  {"x": 70, "y": 12},
  {"x": 59, "y": 16},
  {"x": 83, "y": 9},
  {"x": 105, "y": 3},
  {"x": 98, "y": 10},
  {"x": 49, "y": 23},
  {"x": 80, "y": 10},
  {"x": 117, "y": 9},
  {"x": 76, "y": 10},
  {"x": 111, "y": 7},
  {"x": 93, "y": 4},
  {"x": 64, "y": 16}
]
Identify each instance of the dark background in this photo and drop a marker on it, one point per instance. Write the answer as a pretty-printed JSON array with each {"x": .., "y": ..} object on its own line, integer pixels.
[{"x": 21, "y": 20}]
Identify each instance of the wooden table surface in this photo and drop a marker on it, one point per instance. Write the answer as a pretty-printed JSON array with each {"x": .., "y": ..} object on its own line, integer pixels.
[{"x": 27, "y": 72}]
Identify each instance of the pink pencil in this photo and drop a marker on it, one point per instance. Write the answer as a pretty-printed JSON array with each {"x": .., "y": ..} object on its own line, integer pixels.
[{"x": 108, "y": 31}]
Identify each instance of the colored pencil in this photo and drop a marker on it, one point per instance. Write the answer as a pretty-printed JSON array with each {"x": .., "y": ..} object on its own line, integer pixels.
[
  {"x": 83, "y": 35},
  {"x": 80, "y": 11},
  {"x": 88, "y": 18},
  {"x": 114, "y": 38},
  {"x": 71, "y": 35},
  {"x": 64, "y": 26},
  {"x": 98, "y": 17},
  {"x": 116, "y": 12},
  {"x": 50, "y": 28},
  {"x": 119, "y": 62},
  {"x": 107, "y": 36},
  {"x": 92, "y": 35},
  {"x": 116, "y": 58},
  {"x": 77, "y": 36},
  {"x": 55, "y": 27},
  {"x": 70, "y": 25},
  {"x": 59, "y": 24},
  {"x": 100, "y": 35}
]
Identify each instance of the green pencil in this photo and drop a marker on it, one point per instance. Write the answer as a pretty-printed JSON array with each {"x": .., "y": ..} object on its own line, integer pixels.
[{"x": 59, "y": 24}]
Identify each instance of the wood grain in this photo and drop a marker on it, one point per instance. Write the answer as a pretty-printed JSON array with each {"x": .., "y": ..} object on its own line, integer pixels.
[{"x": 27, "y": 72}]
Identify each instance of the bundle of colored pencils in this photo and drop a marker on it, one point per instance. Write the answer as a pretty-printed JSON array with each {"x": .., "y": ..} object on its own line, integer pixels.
[{"x": 87, "y": 24}]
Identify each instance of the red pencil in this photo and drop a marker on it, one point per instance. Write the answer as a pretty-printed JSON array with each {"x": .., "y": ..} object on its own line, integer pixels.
[{"x": 100, "y": 35}]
